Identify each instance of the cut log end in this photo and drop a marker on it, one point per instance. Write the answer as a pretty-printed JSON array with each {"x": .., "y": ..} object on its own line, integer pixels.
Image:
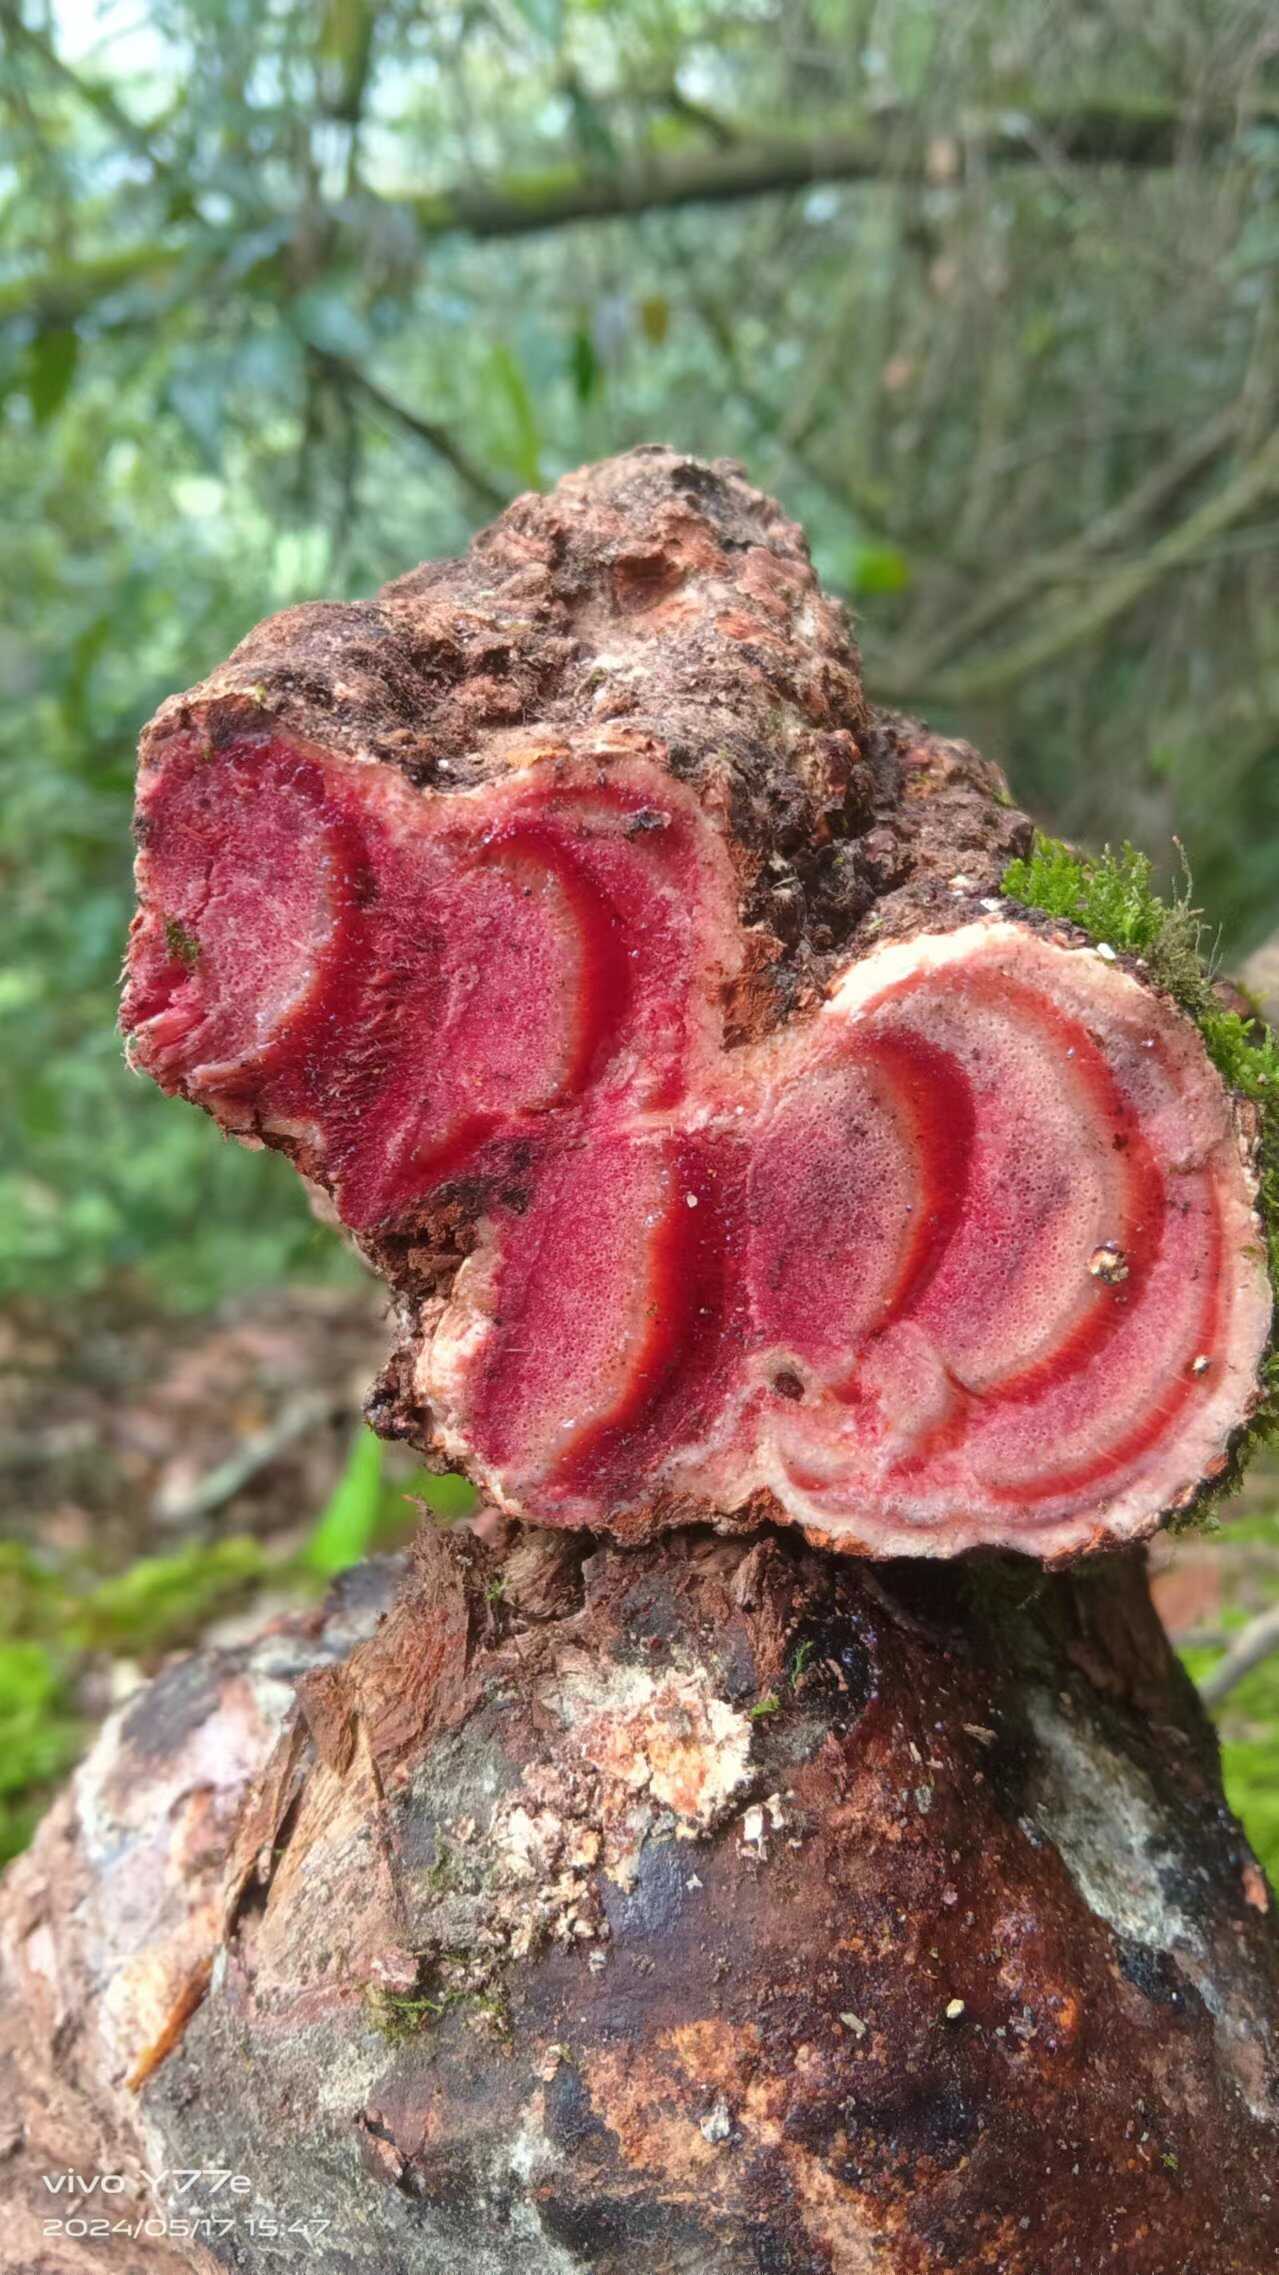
[{"x": 924, "y": 1227}]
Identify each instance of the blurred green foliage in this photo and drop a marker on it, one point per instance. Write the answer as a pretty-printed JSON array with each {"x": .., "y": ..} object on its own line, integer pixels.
[
  {"x": 292, "y": 297},
  {"x": 1248, "y": 1768},
  {"x": 1249, "y": 1724},
  {"x": 40, "y": 1737},
  {"x": 159, "y": 1601},
  {"x": 53, "y": 1614}
]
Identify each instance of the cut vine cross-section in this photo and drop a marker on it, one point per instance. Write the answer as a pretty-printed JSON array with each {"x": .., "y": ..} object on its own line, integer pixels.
[{"x": 733, "y": 1149}]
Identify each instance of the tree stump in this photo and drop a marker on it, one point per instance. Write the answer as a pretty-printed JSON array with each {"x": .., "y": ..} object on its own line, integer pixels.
[
  {"x": 714, "y": 1906},
  {"x": 774, "y": 1847}
]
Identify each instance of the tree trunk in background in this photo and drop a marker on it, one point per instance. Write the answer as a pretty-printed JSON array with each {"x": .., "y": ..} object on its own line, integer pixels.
[{"x": 719, "y": 1907}]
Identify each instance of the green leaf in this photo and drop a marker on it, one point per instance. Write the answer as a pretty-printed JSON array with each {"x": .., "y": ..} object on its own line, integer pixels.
[
  {"x": 39, "y": 1737},
  {"x": 524, "y": 451},
  {"x": 448, "y": 1496},
  {"x": 878, "y": 568},
  {"x": 28, "y": 1677},
  {"x": 198, "y": 396},
  {"x": 271, "y": 364},
  {"x": 344, "y": 1530},
  {"x": 51, "y": 365},
  {"x": 344, "y": 29},
  {"x": 584, "y": 364},
  {"x": 595, "y": 137},
  {"x": 84, "y": 652}
]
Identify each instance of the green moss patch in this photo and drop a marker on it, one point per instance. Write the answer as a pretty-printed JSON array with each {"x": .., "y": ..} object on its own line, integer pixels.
[
  {"x": 1112, "y": 898},
  {"x": 402, "y": 2015}
]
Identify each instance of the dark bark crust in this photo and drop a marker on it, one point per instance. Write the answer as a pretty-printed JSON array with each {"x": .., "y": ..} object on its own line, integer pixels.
[{"x": 710, "y": 1908}]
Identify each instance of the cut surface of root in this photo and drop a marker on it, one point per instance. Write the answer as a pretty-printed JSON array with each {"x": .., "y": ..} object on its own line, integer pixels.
[{"x": 967, "y": 1255}]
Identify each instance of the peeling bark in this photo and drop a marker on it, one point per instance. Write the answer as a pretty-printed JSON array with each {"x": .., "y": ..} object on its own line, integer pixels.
[
  {"x": 716, "y": 1907},
  {"x": 645, "y": 1005}
]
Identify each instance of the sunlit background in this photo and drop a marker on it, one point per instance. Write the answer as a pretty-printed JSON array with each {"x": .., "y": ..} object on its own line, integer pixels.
[{"x": 296, "y": 295}]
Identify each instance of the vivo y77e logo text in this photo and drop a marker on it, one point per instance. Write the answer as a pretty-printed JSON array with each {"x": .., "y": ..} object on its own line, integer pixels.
[{"x": 214, "y": 2178}]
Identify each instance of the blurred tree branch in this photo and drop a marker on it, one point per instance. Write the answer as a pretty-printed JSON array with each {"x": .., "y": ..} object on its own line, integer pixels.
[
  {"x": 95, "y": 93},
  {"x": 1110, "y": 595},
  {"x": 1062, "y": 564},
  {"x": 749, "y": 167},
  {"x": 863, "y": 498},
  {"x": 1253, "y": 1644},
  {"x": 353, "y": 382}
]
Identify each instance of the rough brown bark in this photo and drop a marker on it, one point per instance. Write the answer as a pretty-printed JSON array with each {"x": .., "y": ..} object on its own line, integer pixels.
[{"x": 715, "y": 1907}]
